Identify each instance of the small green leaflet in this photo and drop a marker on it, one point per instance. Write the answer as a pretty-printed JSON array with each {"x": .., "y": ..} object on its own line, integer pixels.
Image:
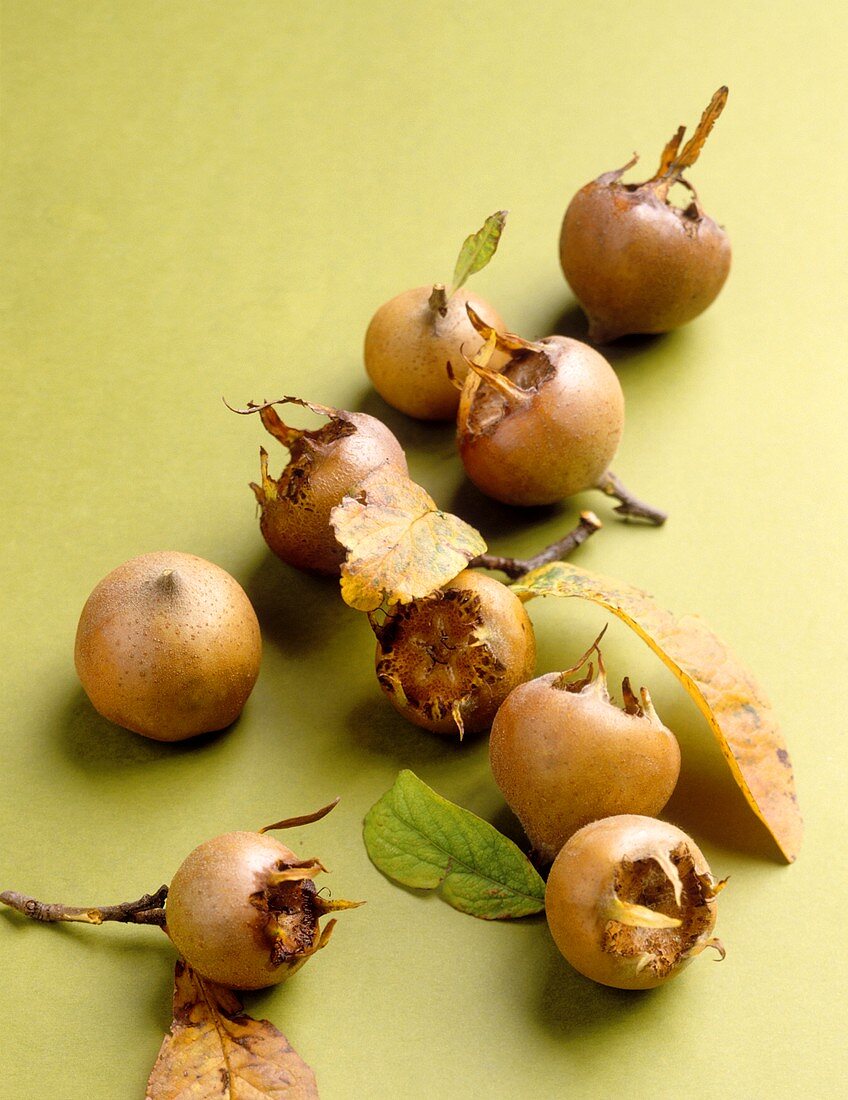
[
  {"x": 478, "y": 249},
  {"x": 418, "y": 838}
]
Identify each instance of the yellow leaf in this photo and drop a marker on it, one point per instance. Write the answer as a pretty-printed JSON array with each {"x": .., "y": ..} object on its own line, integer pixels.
[
  {"x": 215, "y": 1052},
  {"x": 399, "y": 545},
  {"x": 723, "y": 690}
]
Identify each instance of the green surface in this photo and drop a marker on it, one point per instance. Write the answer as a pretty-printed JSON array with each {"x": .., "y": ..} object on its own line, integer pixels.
[{"x": 211, "y": 198}]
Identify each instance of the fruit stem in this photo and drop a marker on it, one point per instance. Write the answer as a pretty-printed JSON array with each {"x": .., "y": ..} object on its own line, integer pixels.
[
  {"x": 149, "y": 909},
  {"x": 630, "y": 506},
  {"x": 438, "y": 300},
  {"x": 515, "y": 568}
]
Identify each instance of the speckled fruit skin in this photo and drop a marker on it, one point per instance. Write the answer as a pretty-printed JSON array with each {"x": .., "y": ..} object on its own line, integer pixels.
[
  {"x": 168, "y": 645},
  {"x": 637, "y": 264},
  {"x": 296, "y": 524},
  {"x": 560, "y": 441},
  {"x": 210, "y": 918},
  {"x": 509, "y": 635},
  {"x": 581, "y": 883},
  {"x": 408, "y": 346},
  {"x": 563, "y": 759}
]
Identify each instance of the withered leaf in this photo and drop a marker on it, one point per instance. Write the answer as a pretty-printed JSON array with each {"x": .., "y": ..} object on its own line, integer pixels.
[
  {"x": 399, "y": 544},
  {"x": 725, "y": 693},
  {"x": 215, "y": 1052}
]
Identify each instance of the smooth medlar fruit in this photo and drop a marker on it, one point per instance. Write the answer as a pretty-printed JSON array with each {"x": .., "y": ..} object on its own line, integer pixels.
[
  {"x": 630, "y": 901},
  {"x": 448, "y": 660},
  {"x": 243, "y": 910},
  {"x": 634, "y": 260},
  {"x": 168, "y": 645},
  {"x": 544, "y": 427},
  {"x": 563, "y": 754},
  {"x": 324, "y": 466},
  {"x": 410, "y": 340}
]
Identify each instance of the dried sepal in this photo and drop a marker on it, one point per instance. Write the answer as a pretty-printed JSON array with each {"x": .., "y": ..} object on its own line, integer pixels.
[
  {"x": 615, "y": 175},
  {"x": 638, "y": 916},
  {"x": 505, "y": 341},
  {"x": 301, "y": 819},
  {"x": 673, "y": 165},
  {"x": 340, "y": 421}
]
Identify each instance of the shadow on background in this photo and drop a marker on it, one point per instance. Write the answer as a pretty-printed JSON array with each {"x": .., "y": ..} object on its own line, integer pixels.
[
  {"x": 505, "y": 821},
  {"x": 143, "y": 951},
  {"x": 92, "y": 743},
  {"x": 376, "y": 727},
  {"x": 707, "y": 803},
  {"x": 495, "y": 520},
  {"x": 298, "y": 612},
  {"x": 572, "y": 322},
  {"x": 430, "y": 437},
  {"x": 570, "y": 1005}
]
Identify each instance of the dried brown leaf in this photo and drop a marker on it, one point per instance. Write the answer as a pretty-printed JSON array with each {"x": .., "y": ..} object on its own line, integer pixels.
[
  {"x": 399, "y": 544},
  {"x": 215, "y": 1052},
  {"x": 725, "y": 693}
]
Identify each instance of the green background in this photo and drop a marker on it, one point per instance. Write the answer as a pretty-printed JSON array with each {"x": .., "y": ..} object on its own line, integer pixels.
[{"x": 206, "y": 199}]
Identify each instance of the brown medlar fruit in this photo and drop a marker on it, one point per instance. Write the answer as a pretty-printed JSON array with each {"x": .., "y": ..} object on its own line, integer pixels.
[
  {"x": 243, "y": 910},
  {"x": 630, "y": 901},
  {"x": 563, "y": 754},
  {"x": 636, "y": 262},
  {"x": 168, "y": 645},
  {"x": 324, "y": 465}
]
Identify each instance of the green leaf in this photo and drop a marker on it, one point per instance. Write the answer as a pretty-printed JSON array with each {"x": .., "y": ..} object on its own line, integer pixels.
[
  {"x": 478, "y": 249},
  {"x": 418, "y": 838}
]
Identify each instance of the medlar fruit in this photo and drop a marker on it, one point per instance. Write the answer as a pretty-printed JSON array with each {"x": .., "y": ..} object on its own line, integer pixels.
[
  {"x": 448, "y": 660},
  {"x": 546, "y": 425},
  {"x": 243, "y": 910},
  {"x": 410, "y": 340},
  {"x": 630, "y": 901},
  {"x": 634, "y": 260},
  {"x": 324, "y": 466},
  {"x": 563, "y": 754},
  {"x": 168, "y": 645}
]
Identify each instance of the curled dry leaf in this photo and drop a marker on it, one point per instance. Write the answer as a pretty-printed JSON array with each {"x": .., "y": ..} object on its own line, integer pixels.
[
  {"x": 399, "y": 544},
  {"x": 725, "y": 693},
  {"x": 215, "y": 1052}
]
